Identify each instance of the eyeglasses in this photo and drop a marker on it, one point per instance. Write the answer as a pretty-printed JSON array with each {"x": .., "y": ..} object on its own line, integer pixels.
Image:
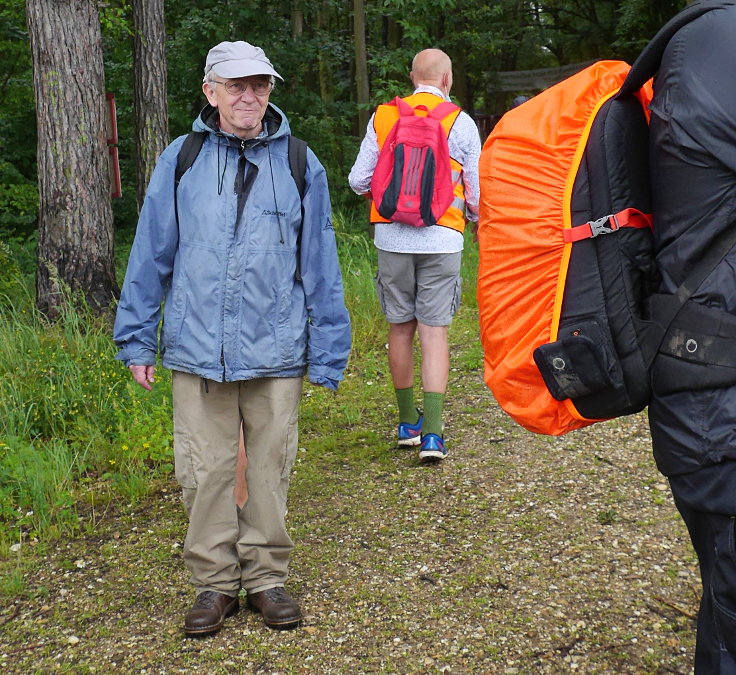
[{"x": 237, "y": 87}]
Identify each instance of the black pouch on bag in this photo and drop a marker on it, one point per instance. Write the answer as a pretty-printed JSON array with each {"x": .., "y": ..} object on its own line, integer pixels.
[
  {"x": 697, "y": 351},
  {"x": 578, "y": 363}
]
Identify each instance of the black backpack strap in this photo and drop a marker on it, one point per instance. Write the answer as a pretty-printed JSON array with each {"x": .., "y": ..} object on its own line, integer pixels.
[
  {"x": 187, "y": 154},
  {"x": 647, "y": 63},
  {"x": 298, "y": 163},
  {"x": 665, "y": 308},
  {"x": 298, "y": 167},
  {"x": 193, "y": 143}
]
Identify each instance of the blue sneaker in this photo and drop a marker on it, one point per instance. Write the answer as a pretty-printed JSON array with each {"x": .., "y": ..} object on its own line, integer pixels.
[
  {"x": 432, "y": 449},
  {"x": 411, "y": 434}
]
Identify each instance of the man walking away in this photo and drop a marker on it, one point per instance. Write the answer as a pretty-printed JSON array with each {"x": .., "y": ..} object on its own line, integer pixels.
[{"x": 418, "y": 280}]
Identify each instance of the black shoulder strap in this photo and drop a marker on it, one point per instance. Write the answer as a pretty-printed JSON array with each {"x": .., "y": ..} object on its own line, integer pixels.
[
  {"x": 647, "y": 63},
  {"x": 298, "y": 163},
  {"x": 187, "y": 154},
  {"x": 298, "y": 167},
  {"x": 669, "y": 306},
  {"x": 192, "y": 145}
]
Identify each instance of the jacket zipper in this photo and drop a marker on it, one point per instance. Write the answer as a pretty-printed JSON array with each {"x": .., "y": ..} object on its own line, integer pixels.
[{"x": 222, "y": 344}]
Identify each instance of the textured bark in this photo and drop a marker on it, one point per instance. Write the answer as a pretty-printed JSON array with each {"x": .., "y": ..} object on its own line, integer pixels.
[
  {"x": 361, "y": 65},
  {"x": 326, "y": 88},
  {"x": 297, "y": 19},
  {"x": 150, "y": 108},
  {"x": 75, "y": 223}
]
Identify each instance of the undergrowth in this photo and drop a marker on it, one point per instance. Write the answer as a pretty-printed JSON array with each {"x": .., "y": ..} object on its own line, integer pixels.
[{"x": 76, "y": 432}]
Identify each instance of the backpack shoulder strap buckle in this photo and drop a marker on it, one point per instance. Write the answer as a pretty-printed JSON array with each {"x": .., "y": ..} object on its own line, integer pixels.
[{"x": 604, "y": 225}]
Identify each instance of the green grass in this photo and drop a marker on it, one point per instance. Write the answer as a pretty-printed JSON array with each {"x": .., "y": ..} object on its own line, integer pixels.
[{"x": 77, "y": 434}]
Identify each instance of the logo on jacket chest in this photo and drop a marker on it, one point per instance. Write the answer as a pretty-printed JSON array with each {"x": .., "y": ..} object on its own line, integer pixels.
[{"x": 271, "y": 212}]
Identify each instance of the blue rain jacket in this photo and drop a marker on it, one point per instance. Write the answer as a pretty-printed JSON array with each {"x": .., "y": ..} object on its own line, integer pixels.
[{"x": 235, "y": 307}]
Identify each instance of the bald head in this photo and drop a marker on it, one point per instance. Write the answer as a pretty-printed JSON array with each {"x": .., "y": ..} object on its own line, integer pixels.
[{"x": 432, "y": 66}]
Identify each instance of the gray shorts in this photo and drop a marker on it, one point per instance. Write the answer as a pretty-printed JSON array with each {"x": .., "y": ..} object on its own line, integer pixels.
[{"x": 421, "y": 286}]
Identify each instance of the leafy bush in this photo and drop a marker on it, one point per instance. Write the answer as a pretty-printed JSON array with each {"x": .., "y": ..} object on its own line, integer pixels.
[
  {"x": 71, "y": 419},
  {"x": 18, "y": 202}
]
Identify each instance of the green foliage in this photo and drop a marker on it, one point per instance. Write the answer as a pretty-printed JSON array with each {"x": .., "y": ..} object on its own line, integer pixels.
[
  {"x": 18, "y": 194},
  {"x": 639, "y": 20},
  {"x": 10, "y": 275},
  {"x": 18, "y": 201},
  {"x": 357, "y": 262},
  {"x": 36, "y": 486},
  {"x": 115, "y": 19},
  {"x": 318, "y": 94},
  {"x": 71, "y": 420},
  {"x": 17, "y": 128}
]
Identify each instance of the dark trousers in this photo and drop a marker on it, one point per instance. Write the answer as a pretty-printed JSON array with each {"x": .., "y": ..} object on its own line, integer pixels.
[{"x": 706, "y": 499}]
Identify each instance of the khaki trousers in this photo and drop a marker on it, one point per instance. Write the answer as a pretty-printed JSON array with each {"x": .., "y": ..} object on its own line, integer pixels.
[{"x": 228, "y": 548}]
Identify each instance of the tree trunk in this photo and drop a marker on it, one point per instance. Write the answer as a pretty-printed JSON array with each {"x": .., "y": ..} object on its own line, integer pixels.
[
  {"x": 75, "y": 238},
  {"x": 361, "y": 65},
  {"x": 297, "y": 19},
  {"x": 150, "y": 108},
  {"x": 325, "y": 72}
]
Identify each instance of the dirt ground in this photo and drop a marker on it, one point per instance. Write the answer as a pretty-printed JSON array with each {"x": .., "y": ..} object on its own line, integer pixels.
[{"x": 519, "y": 554}]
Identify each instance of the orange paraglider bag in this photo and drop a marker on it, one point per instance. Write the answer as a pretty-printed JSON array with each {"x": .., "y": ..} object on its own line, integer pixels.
[
  {"x": 572, "y": 319},
  {"x": 566, "y": 253}
]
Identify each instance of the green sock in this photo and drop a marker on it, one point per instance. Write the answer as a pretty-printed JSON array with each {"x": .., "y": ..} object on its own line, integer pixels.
[
  {"x": 407, "y": 409},
  {"x": 433, "y": 403}
]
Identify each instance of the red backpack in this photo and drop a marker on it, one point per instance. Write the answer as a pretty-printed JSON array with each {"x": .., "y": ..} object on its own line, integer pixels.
[{"x": 412, "y": 181}]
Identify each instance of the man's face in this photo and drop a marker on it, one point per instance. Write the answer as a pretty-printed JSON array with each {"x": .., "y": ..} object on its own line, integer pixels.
[{"x": 240, "y": 105}]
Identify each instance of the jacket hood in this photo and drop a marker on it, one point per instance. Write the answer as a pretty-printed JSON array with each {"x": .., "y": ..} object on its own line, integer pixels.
[{"x": 275, "y": 123}]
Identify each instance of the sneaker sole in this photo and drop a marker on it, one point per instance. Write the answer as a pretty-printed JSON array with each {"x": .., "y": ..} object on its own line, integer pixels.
[
  {"x": 410, "y": 442},
  {"x": 431, "y": 455}
]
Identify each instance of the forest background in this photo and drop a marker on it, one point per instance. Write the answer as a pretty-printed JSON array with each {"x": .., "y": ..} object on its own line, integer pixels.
[
  {"x": 74, "y": 432},
  {"x": 314, "y": 44}
]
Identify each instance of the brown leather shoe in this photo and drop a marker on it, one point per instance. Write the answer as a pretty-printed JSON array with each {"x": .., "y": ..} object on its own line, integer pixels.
[
  {"x": 208, "y": 612},
  {"x": 278, "y": 608}
]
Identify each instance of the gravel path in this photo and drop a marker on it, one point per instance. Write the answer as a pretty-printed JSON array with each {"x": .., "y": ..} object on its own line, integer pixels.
[{"x": 519, "y": 554}]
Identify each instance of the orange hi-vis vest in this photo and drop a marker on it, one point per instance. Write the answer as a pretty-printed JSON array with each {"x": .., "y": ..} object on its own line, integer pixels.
[{"x": 385, "y": 118}]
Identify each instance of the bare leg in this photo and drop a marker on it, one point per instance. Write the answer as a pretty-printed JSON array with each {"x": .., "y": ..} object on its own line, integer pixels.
[
  {"x": 435, "y": 357},
  {"x": 401, "y": 353}
]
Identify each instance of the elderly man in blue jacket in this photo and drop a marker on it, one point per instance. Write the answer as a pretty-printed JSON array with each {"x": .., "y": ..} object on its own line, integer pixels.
[{"x": 253, "y": 301}]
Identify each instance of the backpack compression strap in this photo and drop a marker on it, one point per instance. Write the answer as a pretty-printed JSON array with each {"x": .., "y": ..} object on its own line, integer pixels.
[
  {"x": 647, "y": 63},
  {"x": 608, "y": 224}
]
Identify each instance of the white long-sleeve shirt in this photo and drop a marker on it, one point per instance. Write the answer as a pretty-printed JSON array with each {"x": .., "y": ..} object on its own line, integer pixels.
[{"x": 464, "y": 145}]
